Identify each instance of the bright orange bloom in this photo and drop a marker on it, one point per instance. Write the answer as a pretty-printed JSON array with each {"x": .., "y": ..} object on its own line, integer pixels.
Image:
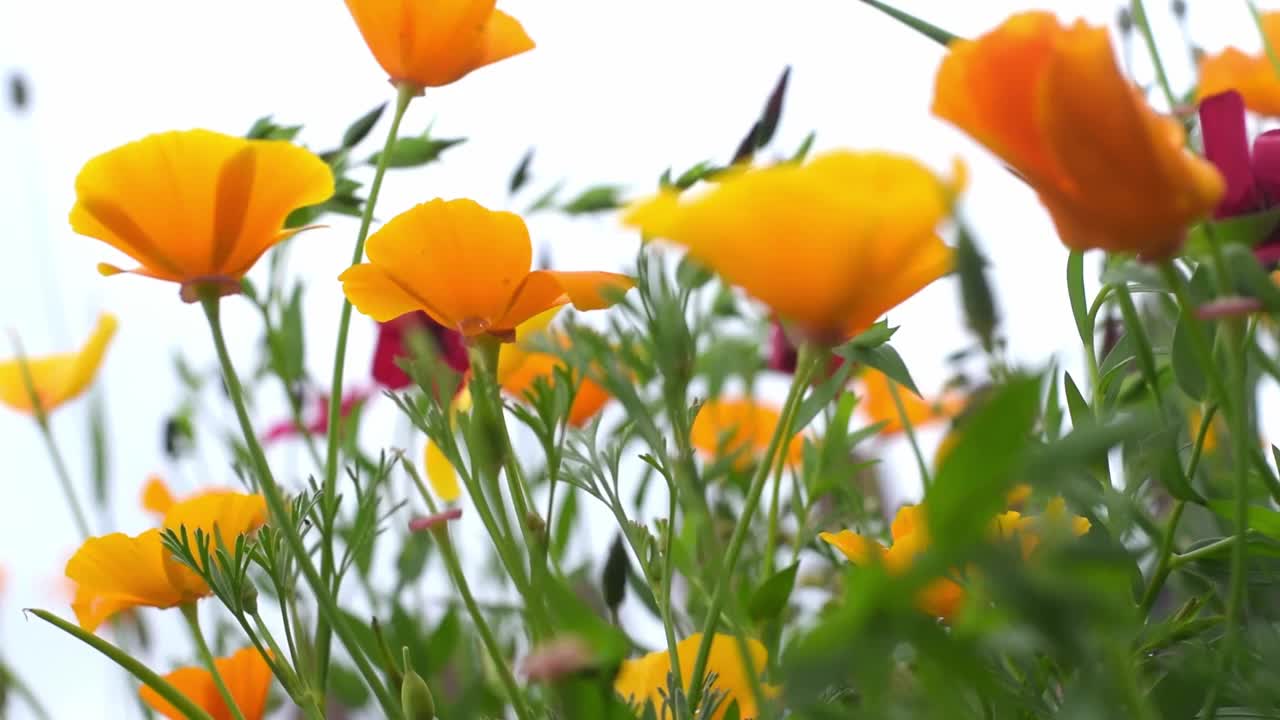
[
  {"x": 520, "y": 366},
  {"x": 468, "y": 268},
  {"x": 1253, "y": 76},
  {"x": 248, "y": 679},
  {"x": 429, "y": 44},
  {"x": 1051, "y": 102},
  {"x": 644, "y": 679},
  {"x": 739, "y": 428},
  {"x": 196, "y": 207},
  {"x": 56, "y": 379},
  {"x": 116, "y": 572},
  {"x": 830, "y": 246},
  {"x": 877, "y": 403}
]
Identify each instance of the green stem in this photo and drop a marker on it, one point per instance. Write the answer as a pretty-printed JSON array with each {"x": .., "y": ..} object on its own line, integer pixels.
[
  {"x": 771, "y": 538},
  {"x": 144, "y": 674},
  {"x": 1161, "y": 572},
  {"x": 311, "y": 701},
  {"x": 281, "y": 518},
  {"x": 1139, "y": 13},
  {"x": 454, "y": 567},
  {"x": 328, "y": 498},
  {"x": 202, "y": 649},
  {"x": 910, "y": 432},
  {"x": 1201, "y": 553},
  {"x": 805, "y": 365},
  {"x": 9, "y": 679},
  {"x": 929, "y": 30},
  {"x": 1266, "y": 41}
]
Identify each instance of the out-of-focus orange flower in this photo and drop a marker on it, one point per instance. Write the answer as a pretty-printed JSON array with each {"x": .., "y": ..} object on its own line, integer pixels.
[
  {"x": 468, "y": 268},
  {"x": 877, "y": 403},
  {"x": 740, "y": 428},
  {"x": 829, "y": 246},
  {"x": 196, "y": 207},
  {"x": 644, "y": 679},
  {"x": 59, "y": 378},
  {"x": 1051, "y": 102},
  {"x": 246, "y": 674},
  {"x": 429, "y": 44},
  {"x": 1253, "y": 76},
  {"x": 116, "y": 572},
  {"x": 520, "y": 366}
]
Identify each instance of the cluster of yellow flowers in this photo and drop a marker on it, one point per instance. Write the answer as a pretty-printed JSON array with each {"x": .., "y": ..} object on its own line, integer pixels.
[{"x": 828, "y": 245}]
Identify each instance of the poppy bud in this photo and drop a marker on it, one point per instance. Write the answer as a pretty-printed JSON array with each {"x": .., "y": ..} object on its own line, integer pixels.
[
  {"x": 249, "y": 598},
  {"x": 415, "y": 697}
]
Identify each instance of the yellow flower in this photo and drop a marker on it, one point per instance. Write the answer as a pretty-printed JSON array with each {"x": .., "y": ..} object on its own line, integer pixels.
[
  {"x": 429, "y": 44},
  {"x": 877, "y": 403},
  {"x": 248, "y": 679},
  {"x": 829, "y": 246},
  {"x": 644, "y": 679},
  {"x": 56, "y": 379},
  {"x": 520, "y": 367},
  {"x": 1050, "y": 101},
  {"x": 468, "y": 268},
  {"x": 1253, "y": 76},
  {"x": 740, "y": 428},
  {"x": 196, "y": 207},
  {"x": 116, "y": 572}
]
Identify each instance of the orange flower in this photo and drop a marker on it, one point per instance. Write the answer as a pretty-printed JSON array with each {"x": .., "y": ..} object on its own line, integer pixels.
[
  {"x": 468, "y": 268},
  {"x": 741, "y": 429},
  {"x": 1050, "y": 101},
  {"x": 429, "y": 44},
  {"x": 116, "y": 572},
  {"x": 830, "y": 246},
  {"x": 56, "y": 379},
  {"x": 196, "y": 207},
  {"x": 877, "y": 403},
  {"x": 246, "y": 674},
  {"x": 1253, "y": 76},
  {"x": 158, "y": 499},
  {"x": 519, "y": 367},
  {"x": 644, "y": 679}
]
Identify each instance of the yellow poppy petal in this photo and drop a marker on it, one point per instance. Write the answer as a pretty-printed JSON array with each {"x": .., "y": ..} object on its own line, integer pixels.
[
  {"x": 440, "y": 473},
  {"x": 60, "y": 378},
  {"x": 246, "y": 675},
  {"x": 855, "y": 547},
  {"x": 116, "y": 572},
  {"x": 218, "y": 514},
  {"x": 156, "y": 496},
  {"x": 731, "y": 667},
  {"x": 376, "y": 294},
  {"x": 504, "y": 37},
  {"x": 547, "y": 289},
  {"x": 743, "y": 427}
]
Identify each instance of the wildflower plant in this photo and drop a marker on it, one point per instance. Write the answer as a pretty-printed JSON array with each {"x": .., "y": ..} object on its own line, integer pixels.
[{"x": 601, "y": 514}]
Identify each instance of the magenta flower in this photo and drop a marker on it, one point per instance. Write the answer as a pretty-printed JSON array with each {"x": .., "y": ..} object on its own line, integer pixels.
[
  {"x": 318, "y": 423},
  {"x": 1253, "y": 176},
  {"x": 393, "y": 343}
]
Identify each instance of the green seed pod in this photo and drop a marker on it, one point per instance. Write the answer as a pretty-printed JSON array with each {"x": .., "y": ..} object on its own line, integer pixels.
[{"x": 415, "y": 696}]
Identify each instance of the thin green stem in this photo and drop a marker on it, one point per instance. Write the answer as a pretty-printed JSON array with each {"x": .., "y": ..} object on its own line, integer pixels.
[
  {"x": 311, "y": 701},
  {"x": 1161, "y": 572},
  {"x": 192, "y": 617},
  {"x": 910, "y": 432},
  {"x": 1200, "y": 553},
  {"x": 771, "y": 537},
  {"x": 1266, "y": 40},
  {"x": 281, "y": 518},
  {"x": 454, "y": 568},
  {"x": 10, "y": 680},
  {"x": 1139, "y": 13},
  {"x": 328, "y": 499},
  {"x": 805, "y": 365},
  {"x": 144, "y": 674},
  {"x": 929, "y": 30}
]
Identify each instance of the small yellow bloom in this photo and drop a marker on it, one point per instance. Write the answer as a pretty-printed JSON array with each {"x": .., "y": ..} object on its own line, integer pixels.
[
  {"x": 644, "y": 679},
  {"x": 1253, "y": 76},
  {"x": 741, "y": 428},
  {"x": 429, "y": 44},
  {"x": 246, "y": 674},
  {"x": 116, "y": 572},
  {"x": 877, "y": 403},
  {"x": 1051, "y": 102},
  {"x": 468, "y": 268},
  {"x": 829, "y": 246},
  {"x": 196, "y": 207},
  {"x": 56, "y": 379}
]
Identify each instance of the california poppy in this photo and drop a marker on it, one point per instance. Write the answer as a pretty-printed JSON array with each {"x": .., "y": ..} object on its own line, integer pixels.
[
  {"x": 740, "y": 428},
  {"x": 878, "y": 405},
  {"x": 116, "y": 572},
  {"x": 829, "y": 246},
  {"x": 246, "y": 674},
  {"x": 468, "y": 268},
  {"x": 1051, "y": 102},
  {"x": 196, "y": 207},
  {"x": 59, "y": 378},
  {"x": 429, "y": 44},
  {"x": 1253, "y": 75},
  {"x": 644, "y": 679},
  {"x": 520, "y": 366}
]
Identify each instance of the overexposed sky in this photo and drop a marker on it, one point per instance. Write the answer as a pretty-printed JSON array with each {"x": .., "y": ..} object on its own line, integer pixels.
[{"x": 615, "y": 92}]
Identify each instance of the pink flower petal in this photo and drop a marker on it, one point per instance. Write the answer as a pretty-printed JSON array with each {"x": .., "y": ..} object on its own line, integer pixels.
[{"x": 429, "y": 522}]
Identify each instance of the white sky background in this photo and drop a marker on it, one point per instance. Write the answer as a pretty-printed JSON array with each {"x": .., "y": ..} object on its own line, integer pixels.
[{"x": 615, "y": 92}]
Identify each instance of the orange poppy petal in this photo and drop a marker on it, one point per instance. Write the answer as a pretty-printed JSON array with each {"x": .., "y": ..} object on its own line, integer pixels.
[
  {"x": 194, "y": 682},
  {"x": 247, "y": 677},
  {"x": 115, "y": 572},
  {"x": 60, "y": 378},
  {"x": 504, "y": 37},
  {"x": 740, "y": 428},
  {"x": 218, "y": 514},
  {"x": 857, "y": 548},
  {"x": 156, "y": 496},
  {"x": 546, "y": 289},
  {"x": 376, "y": 294}
]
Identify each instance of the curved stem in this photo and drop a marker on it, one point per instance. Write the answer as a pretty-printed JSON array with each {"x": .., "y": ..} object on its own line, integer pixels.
[
  {"x": 202, "y": 649},
  {"x": 144, "y": 674},
  {"x": 805, "y": 366},
  {"x": 1139, "y": 13},
  {"x": 328, "y": 498},
  {"x": 910, "y": 432},
  {"x": 281, "y": 518}
]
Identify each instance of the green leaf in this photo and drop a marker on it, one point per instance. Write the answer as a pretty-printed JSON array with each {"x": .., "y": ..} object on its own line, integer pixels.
[
  {"x": 933, "y": 32},
  {"x": 1245, "y": 230},
  {"x": 1263, "y": 519},
  {"x": 770, "y": 599},
  {"x": 802, "y": 152},
  {"x": 883, "y": 358},
  {"x": 570, "y": 614},
  {"x": 348, "y": 686},
  {"x": 598, "y": 198},
  {"x": 975, "y": 291},
  {"x": 1249, "y": 278},
  {"x": 1077, "y": 406},
  {"x": 613, "y": 580},
  {"x": 822, "y": 395},
  {"x": 414, "y": 551},
  {"x": 416, "y": 151},
  {"x": 360, "y": 129},
  {"x": 702, "y": 171},
  {"x": 1075, "y": 291},
  {"x": 1186, "y": 365},
  {"x": 547, "y": 200},
  {"x": 521, "y": 174},
  {"x": 1051, "y": 419}
]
